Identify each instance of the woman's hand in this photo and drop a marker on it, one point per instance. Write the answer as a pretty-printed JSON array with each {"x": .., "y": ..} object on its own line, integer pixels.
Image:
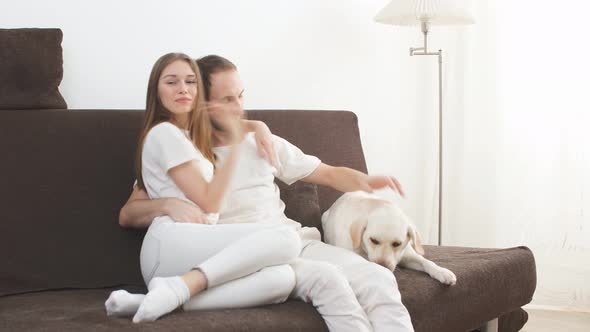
[
  {"x": 227, "y": 117},
  {"x": 182, "y": 211},
  {"x": 233, "y": 126},
  {"x": 264, "y": 142},
  {"x": 371, "y": 183}
]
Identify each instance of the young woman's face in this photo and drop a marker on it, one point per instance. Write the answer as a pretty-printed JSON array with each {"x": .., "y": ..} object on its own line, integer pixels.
[{"x": 177, "y": 89}]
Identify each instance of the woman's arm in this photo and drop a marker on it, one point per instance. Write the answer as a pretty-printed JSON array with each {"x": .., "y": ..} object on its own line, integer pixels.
[
  {"x": 189, "y": 179},
  {"x": 207, "y": 195},
  {"x": 263, "y": 137},
  {"x": 346, "y": 179}
]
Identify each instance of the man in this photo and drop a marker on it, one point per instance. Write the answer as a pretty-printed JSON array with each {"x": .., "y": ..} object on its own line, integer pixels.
[{"x": 350, "y": 293}]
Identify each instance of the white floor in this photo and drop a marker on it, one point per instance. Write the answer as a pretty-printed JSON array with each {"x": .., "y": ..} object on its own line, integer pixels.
[{"x": 557, "y": 321}]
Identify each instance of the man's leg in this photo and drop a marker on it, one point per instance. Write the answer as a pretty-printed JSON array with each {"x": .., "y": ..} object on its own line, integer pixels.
[
  {"x": 325, "y": 286},
  {"x": 374, "y": 286}
]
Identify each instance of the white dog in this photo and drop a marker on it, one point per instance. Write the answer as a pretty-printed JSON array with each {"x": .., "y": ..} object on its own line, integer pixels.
[{"x": 378, "y": 230}]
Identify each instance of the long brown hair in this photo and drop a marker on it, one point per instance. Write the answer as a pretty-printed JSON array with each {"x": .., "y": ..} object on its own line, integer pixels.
[{"x": 199, "y": 125}]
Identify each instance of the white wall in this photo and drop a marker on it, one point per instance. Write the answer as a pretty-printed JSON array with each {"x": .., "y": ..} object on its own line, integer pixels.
[{"x": 308, "y": 54}]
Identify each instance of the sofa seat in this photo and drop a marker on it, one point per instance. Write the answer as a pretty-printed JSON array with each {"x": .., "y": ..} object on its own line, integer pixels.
[
  {"x": 83, "y": 310},
  {"x": 490, "y": 283}
]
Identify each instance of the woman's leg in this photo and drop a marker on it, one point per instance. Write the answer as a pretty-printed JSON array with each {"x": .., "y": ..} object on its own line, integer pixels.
[
  {"x": 172, "y": 249},
  {"x": 216, "y": 254},
  {"x": 374, "y": 286},
  {"x": 270, "y": 285}
]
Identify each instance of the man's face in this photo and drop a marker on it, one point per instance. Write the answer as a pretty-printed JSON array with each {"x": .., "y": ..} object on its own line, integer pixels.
[{"x": 225, "y": 95}]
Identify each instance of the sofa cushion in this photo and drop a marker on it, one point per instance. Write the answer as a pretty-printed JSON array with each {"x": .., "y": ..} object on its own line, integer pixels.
[
  {"x": 301, "y": 203},
  {"x": 68, "y": 175},
  {"x": 31, "y": 69}
]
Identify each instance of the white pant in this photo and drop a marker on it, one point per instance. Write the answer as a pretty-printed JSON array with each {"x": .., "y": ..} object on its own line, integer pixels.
[
  {"x": 245, "y": 264},
  {"x": 351, "y": 293}
]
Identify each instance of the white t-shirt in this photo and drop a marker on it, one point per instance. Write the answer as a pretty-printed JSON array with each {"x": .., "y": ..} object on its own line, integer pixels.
[
  {"x": 253, "y": 197},
  {"x": 167, "y": 146}
]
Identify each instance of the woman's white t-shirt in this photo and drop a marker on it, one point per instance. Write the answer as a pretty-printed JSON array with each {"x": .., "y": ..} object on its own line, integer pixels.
[{"x": 165, "y": 147}]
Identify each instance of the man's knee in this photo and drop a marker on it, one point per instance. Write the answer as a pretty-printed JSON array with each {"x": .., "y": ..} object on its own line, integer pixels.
[
  {"x": 384, "y": 275},
  {"x": 316, "y": 276},
  {"x": 372, "y": 278}
]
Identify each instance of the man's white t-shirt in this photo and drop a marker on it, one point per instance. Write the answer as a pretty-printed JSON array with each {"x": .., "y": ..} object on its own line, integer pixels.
[
  {"x": 165, "y": 147},
  {"x": 253, "y": 196}
]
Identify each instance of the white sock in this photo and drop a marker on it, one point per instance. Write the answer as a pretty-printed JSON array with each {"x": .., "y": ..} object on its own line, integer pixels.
[
  {"x": 121, "y": 303},
  {"x": 165, "y": 295}
]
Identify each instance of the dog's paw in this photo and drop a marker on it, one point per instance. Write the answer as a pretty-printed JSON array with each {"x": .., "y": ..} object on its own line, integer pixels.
[{"x": 445, "y": 276}]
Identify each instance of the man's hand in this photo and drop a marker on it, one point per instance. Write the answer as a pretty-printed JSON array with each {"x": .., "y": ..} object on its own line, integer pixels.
[
  {"x": 264, "y": 142},
  {"x": 371, "y": 183},
  {"x": 346, "y": 179},
  {"x": 182, "y": 211}
]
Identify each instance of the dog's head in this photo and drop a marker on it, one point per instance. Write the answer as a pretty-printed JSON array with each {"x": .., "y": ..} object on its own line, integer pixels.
[{"x": 384, "y": 234}]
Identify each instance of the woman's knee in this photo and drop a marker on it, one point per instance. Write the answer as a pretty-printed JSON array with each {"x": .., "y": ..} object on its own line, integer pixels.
[
  {"x": 285, "y": 243},
  {"x": 149, "y": 257},
  {"x": 280, "y": 281}
]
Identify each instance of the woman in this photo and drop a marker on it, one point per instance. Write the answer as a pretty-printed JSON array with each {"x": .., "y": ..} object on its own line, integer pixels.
[{"x": 175, "y": 159}]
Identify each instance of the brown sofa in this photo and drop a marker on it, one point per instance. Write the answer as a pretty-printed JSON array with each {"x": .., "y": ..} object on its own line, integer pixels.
[{"x": 65, "y": 174}]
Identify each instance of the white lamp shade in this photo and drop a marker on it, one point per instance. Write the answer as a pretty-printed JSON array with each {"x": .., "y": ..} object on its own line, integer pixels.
[{"x": 433, "y": 12}]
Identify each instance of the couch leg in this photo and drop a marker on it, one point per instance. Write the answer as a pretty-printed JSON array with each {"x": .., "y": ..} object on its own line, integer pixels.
[{"x": 491, "y": 326}]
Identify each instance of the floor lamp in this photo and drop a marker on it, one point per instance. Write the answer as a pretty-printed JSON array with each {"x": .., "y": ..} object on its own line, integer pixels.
[{"x": 427, "y": 13}]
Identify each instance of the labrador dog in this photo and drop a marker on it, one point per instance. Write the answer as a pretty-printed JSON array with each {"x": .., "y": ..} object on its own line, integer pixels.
[{"x": 378, "y": 230}]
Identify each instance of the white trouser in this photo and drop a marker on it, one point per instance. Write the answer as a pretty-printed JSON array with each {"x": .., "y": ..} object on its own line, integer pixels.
[
  {"x": 351, "y": 293},
  {"x": 245, "y": 264}
]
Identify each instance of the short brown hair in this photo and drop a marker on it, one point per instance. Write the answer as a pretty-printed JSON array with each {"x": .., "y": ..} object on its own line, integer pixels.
[{"x": 211, "y": 64}]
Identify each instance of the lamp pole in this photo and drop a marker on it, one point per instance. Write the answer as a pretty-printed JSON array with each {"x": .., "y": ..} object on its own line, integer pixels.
[{"x": 424, "y": 51}]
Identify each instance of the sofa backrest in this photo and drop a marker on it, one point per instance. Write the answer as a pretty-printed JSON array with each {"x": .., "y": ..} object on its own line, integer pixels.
[{"x": 64, "y": 175}]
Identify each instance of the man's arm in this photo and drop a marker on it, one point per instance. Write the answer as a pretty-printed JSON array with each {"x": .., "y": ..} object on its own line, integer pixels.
[
  {"x": 140, "y": 210},
  {"x": 346, "y": 179}
]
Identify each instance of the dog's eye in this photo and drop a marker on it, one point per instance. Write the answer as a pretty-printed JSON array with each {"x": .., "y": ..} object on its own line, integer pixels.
[
  {"x": 396, "y": 244},
  {"x": 374, "y": 241}
]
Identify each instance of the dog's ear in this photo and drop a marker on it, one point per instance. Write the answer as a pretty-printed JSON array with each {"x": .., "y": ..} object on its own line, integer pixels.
[
  {"x": 414, "y": 236},
  {"x": 357, "y": 229}
]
